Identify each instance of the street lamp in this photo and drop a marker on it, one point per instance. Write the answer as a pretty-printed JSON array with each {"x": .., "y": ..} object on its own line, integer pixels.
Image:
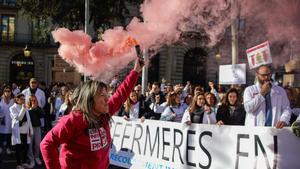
[
  {"x": 27, "y": 51},
  {"x": 218, "y": 55}
]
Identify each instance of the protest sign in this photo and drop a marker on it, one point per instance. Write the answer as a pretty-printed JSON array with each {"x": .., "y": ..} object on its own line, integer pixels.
[
  {"x": 232, "y": 74},
  {"x": 259, "y": 55}
]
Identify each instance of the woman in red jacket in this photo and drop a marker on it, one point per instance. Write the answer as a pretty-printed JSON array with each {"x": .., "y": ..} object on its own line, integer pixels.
[{"x": 84, "y": 134}]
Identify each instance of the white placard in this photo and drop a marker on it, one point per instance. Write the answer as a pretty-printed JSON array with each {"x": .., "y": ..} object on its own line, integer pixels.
[
  {"x": 171, "y": 145},
  {"x": 259, "y": 55},
  {"x": 232, "y": 74}
]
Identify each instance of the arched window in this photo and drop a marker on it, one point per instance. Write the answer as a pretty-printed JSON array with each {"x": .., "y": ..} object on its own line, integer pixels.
[
  {"x": 21, "y": 69},
  {"x": 194, "y": 69}
]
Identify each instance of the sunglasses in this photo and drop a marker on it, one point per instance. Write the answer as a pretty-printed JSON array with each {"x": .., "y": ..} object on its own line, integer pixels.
[{"x": 264, "y": 75}]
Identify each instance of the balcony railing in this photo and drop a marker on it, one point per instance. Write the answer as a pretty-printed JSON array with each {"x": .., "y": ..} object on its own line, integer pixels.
[
  {"x": 23, "y": 39},
  {"x": 8, "y": 3}
]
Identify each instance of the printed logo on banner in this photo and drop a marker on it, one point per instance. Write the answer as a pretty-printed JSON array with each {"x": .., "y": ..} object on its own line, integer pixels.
[
  {"x": 259, "y": 55},
  {"x": 98, "y": 138}
]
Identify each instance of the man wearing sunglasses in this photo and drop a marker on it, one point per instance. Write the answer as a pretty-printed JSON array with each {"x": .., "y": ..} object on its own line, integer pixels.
[{"x": 266, "y": 104}]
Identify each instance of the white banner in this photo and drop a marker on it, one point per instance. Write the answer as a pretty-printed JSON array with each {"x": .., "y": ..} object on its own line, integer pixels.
[
  {"x": 170, "y": 145},
  {"x": 259, "y": 55},
  {"x": 232, "y": 74}
]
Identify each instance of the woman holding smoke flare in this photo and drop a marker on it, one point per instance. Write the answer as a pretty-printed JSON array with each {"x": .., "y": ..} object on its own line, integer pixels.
[{"x": 84, "y": 134}]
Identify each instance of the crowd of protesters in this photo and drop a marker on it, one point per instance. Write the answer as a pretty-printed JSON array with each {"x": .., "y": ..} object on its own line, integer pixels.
[
  {"x": 26, "y": 115},
  {"x": 262, "y": 104}
]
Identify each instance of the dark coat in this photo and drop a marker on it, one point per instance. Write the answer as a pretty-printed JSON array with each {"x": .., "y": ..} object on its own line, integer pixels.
[
  {"x": 144, "y": 110},
  {"x": 237, "y": 118}
]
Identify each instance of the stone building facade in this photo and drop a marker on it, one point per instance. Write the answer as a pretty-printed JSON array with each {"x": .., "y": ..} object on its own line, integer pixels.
[{"x": 18, "y": 31}]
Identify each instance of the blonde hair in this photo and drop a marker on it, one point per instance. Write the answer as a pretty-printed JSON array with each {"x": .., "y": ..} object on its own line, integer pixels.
[
  {"x": 29, "y": 102},
  {"x": 194, "y": 105}
]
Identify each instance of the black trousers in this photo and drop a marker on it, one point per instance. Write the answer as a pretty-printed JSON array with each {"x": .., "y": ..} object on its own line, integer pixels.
[{"x": 21, "y": 150}]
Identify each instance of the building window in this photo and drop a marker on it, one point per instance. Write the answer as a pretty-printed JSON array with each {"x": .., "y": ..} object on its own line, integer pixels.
[
  {"x": 8, "y": 2},
  {"x": 194, "y": 68},
  {"x": 7, "y": 28}
]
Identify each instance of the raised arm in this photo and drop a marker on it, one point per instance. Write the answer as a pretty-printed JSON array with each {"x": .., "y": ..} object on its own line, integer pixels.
[
  {"x": 15, "y": 114},
  {"x": 123, "y": 91}
]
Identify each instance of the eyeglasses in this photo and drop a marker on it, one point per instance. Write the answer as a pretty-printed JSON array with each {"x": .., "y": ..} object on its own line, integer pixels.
[
  {"x": 264, "y": 75},
  {"x": 7, "y": 91}
]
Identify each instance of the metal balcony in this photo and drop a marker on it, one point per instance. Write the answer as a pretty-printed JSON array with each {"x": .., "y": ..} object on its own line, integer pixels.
[{"x": 25, "y": 39}]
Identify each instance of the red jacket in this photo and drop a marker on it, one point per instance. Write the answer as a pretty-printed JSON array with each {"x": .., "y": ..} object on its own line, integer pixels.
[{"x": 81, "y": 147}]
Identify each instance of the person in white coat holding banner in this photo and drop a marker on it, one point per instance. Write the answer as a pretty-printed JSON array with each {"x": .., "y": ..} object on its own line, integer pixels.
[{"x": 266, "y": 104}]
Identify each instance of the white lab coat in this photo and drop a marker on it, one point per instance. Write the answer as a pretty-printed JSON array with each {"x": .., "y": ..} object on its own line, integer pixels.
[
  {"x": 17, "y": 113},
  {"x": 255, "y": 106}
]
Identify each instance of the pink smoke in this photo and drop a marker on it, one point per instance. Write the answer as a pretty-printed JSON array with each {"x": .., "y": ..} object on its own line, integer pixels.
[
  {"x": 276, "y": 21},
  {"x": 164, "y": 22}
]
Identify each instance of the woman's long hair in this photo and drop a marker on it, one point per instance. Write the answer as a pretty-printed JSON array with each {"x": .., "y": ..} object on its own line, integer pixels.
[
  {"x": 29, "y": 102},
  {"x": 7, "y": 87},
  {"x": 194, "y": 105},
  {"x": 85, "y": 103},
  {"x": 226, "y": 100},
  {"x": 171, "y": 101},
  {"x": 128, "y": 103},
  {"x": 214, "y": 97}
]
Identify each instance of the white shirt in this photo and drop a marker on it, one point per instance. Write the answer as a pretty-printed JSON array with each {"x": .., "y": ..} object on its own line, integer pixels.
[
  {"x": 178, "y": 110},
  {"x": 134, "y": 111}
]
